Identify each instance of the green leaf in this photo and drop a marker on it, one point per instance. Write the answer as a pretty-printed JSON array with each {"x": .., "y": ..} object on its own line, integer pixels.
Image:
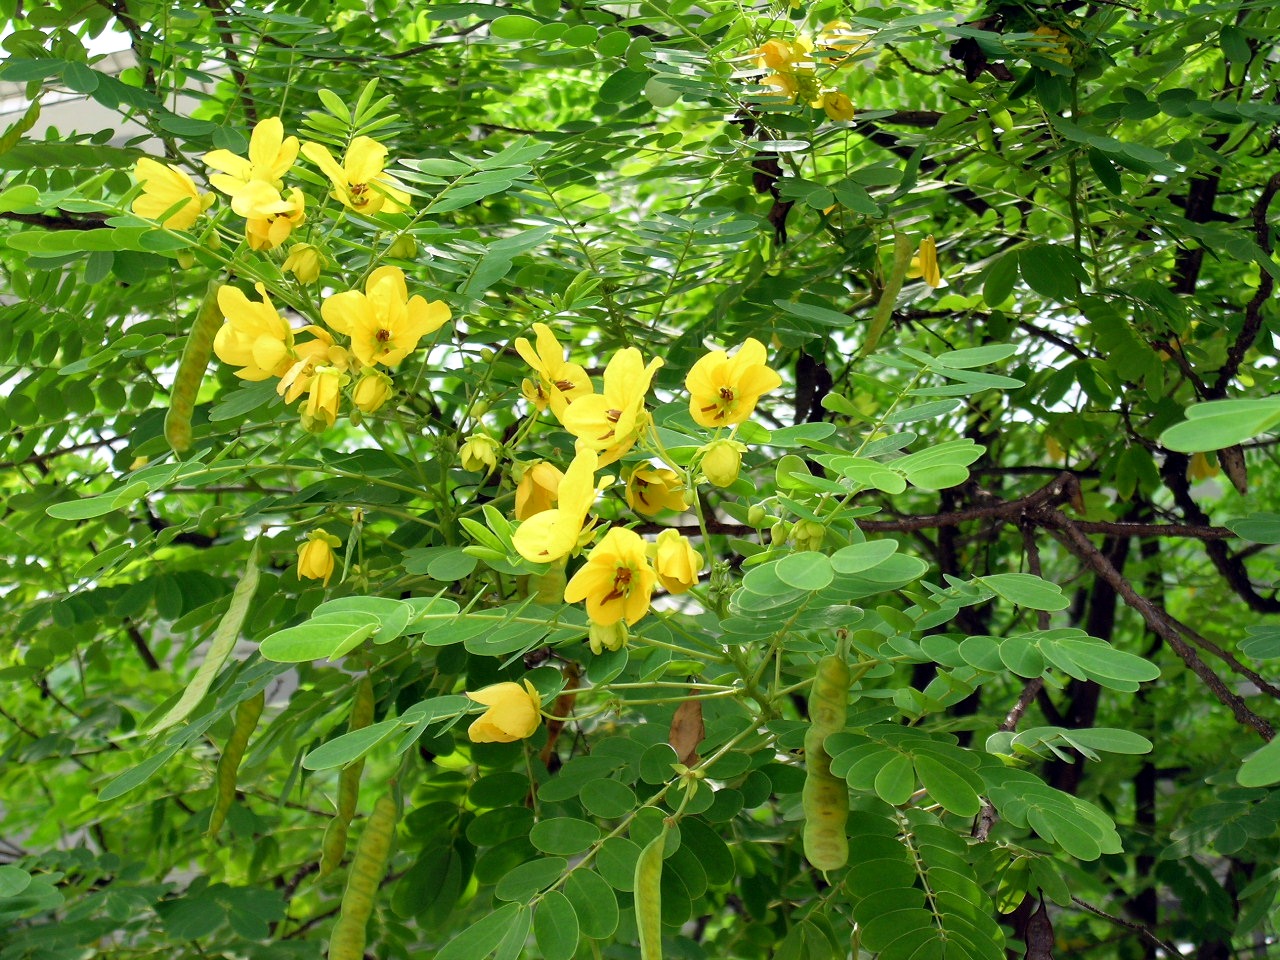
[
  {"x": 349, "y": 746},
  {"x": 858, "y": 557},
  {"x": 529, "y": 878},
  {"x": 1222, "y": 423},
  {"x": 946, "y": 786},
  {"x": 563, "y": 835},
  {"x": 896, "y": 780},
  {"x": 317, "y": 640},
  {"x": 1025, "y": 590},
  {"x": 555, "y": 927},
  {"x": 1262, "y": 767},
  {"x": 997, "y": 285},
  {"x": 806, "y": 571},
  {"x": 594, "y": 902},
  {"x": 1256, "y": 527},
  {"x": 483, "y": 937},
  {"x": 137, "y": 775},
  {"x": 13, "y": 880},
  {"x": 1051, "y": 271}
]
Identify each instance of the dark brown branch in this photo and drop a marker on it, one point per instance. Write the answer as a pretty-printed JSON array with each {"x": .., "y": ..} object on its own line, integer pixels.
[
  {"x": 58, "y": 221},
  {"x": 223, "y": 22},
  {"x": 1137, "y": 928}
]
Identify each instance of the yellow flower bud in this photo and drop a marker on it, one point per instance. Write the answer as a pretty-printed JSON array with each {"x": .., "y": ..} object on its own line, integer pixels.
[
  {"x": 480, "y": 453},
  {"x": 372, "y": 391},
  {"x": 315, "y": 556},
  {"x": 837, "y": 106},
  {"x": 403, "y": 248},
  {"x": 304, "y": 262},
  {"x": 514, "y": 713},
  {"x": 721, "y": 460},
  {"x": 676, "y": 562},
  {"x": 537, "y": 488},
  {"x": 612, "y": 637},
  {"x": 779, "y": 532}
]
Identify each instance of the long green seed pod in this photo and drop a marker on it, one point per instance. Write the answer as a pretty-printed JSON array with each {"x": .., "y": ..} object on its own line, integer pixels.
[
  {"x": 648, "y": 896},
  {"x": 368, "y": 867},
  {"x": 191, "y": 368},
  {"x": 825, "y": 797},
  {"x": 334, "y": 846},
  {"x": 889, "y": 295},
  {"x": 247, "y": 714}
]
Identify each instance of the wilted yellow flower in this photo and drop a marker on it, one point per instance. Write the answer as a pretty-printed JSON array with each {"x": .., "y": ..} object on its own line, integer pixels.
[
  {"x": 372, "y": 390},
  {"x": 611, "y": 421},
  {"x": 270, "y": 224},
  {"x": 384, "y": 323},
  {"x": 721, "y": 461},
  {"x": 254, "y": 337},
  {"x": 616, "y": 581},
  {"x": 162, "y": 188},
  {"x": 479, "y": 453},
  {"x": 515, "y": 713},
  {"x": 724, "y": 391},
  {"x": 271, "y": 155},
  {"x": 650, "y": 490},
  {"x": 837, "y": 106},
  {"x": 559, "y": 382},
  {"x": 315, "y": 556},
  {"x": 552, "y": 534},
  {"x": 675, "y": 562},
  {"x": 611, "y": 637},
  {"x": 925, "y": 263},
  {"x": 304, "y": 262},
  {"x": 359, "y": 184},
  {"x": 537, "y": 489},
  {"x": 324, "y": 393}
]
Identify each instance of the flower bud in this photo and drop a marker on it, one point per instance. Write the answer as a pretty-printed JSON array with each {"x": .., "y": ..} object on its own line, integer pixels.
[
  {"x": 315, "y": 556},
  {"x": 779, "y": 532},
  {"x": 371, "y": 391},
  {"x": 404, "y": 248},
  {"x": 303, "y": 262},
  {"x": 514, "y": 713},
  {"x": 756, "y": 516},
  {"x": 721, "y": 461},
  {"x": 808, "y": 535},
  {"x": 837, "y": 106},
  {"x": 186, "y": 259},
  {"x": 480, "y": 453},
  {"x": 676, "y": 563},
  {"x": 612, "y": 637}
]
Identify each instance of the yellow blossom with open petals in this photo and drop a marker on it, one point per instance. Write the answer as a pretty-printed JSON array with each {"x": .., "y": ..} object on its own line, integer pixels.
[
  {"x": 650, "y": 490},
  {"x": 359, "y": 184},
  {"x": 515, "y": 713},
  {"x": 271, "y": 156},
  {"x": 616, "y": 581},
  {"x": 254, "y": 337},
  {"x": 559, "y": 382},
  {"x": 675, "y": 562},
  {"x": 384, "y": 322},
  {"x": 307, "y": 357},
  {"x": 611, "y": 421},
  {"x": 315, "y": 556},
  {"x": 723, "y": 391},
  {"x": 551, "y": 534},
  {"x": 162, "y": 188},
  {"x": 537, "y": 489},
  {"x": 272, "y": 223},
  {"x": 838, "y": 36}
]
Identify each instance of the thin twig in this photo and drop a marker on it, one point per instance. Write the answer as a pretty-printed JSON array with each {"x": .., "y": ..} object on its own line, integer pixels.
[{"x": 1137, "y": 928}]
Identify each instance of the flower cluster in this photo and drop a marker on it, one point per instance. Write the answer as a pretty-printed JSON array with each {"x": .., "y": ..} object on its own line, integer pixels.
[
  {"x": 801, "y": 70},
  {"x": 622, "y": 570}
]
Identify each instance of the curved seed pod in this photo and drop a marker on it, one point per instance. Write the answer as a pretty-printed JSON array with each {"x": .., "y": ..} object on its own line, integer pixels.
[
  {"x": 648, "y": 896},
  {"x": 825, "y": 797},
  {"x": 368, "y": 867},
  {"x": 191, "y": 368},
  {"x": 247, "y": 714},
  {"x": 335, "y": 835}
]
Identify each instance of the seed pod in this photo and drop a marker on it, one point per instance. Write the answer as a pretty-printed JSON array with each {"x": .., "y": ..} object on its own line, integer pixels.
[
  {"x": 368, "y": 867},
  {"x": 648, "y": 896},
  {"x": 825, "y": 797},
  {"x": 191, "y": 368},
  {"x": 334, "y": 846},
  {"x": 247, "y": 714}
]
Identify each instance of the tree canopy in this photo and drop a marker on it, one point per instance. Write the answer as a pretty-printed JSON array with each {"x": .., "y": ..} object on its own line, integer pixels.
[{"x": 551, "y": 480}]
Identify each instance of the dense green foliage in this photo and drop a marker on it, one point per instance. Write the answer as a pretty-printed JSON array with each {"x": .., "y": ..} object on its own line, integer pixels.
[{"x": 1031, "y": 509}]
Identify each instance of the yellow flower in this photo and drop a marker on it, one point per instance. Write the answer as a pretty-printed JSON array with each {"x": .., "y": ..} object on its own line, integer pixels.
[
  {"x": 315, "y": 556},
  {"x": 724, "y": 391},
  {"x": 782, "y": 55},
  {"x": 384, "y": 323},
  {"x": 1055, "y": 44},
  {"x": 515, "y": 713},
  {"x": 1199, "y": 468},
  {"x": 371, "y": 392},
  {"x": 612, "y": 637},
  {"x": 837, "y": 106},
  {"x": 784, "y": 83},
  {"x": 537, "y": 489},
  {"x": 255, "y": 337},
  {"x": 359, "y": 184},
  {"x": 479, "y": 454},
  {"x": 304, "y": 262},
  {"x": 559, "y": 382},
  {"x": 611, "y": 421},
  {"x": 164, "y": 187},
  {"x": 925, "y": 263},
  {"x": 271, "y": 155},
  {"x": 675, "y": 562},
  {"x": 839, "y": 36},
  {"x": 324, "y": 393},
  {"x": 307, "y": 356},
  {"x": 616, "y": 581},
  {"x": 650, "y": 490},
  {"x": 271, "y": 223},
  {"x": 721, "y": 461},
  {"x": 551, "y": 534}
]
